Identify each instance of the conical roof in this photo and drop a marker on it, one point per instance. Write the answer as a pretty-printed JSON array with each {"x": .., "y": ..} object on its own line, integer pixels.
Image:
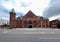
[{"x": 12, "y": 11}]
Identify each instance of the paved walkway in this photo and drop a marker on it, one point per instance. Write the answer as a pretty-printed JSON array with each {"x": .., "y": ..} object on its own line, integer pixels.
[{"x": 30, "y": 31}]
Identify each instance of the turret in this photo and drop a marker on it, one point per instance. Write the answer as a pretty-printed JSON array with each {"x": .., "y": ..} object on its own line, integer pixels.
[{"x": 12, "y": 18}]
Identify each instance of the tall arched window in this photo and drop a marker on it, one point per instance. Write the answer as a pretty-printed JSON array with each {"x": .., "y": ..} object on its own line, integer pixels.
[
  {"x": 34, "y": 23},
  {"x": 25, "y": 23}
]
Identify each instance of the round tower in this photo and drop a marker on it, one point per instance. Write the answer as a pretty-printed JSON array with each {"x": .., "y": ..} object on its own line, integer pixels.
[{"x": 12, "y": 18}]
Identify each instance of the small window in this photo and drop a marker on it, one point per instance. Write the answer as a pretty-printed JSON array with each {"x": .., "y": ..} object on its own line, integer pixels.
[
  {"x": 21, "y": 26},
  {"x": 43, "y": 25},
  {"x": 35, "y": 22}
]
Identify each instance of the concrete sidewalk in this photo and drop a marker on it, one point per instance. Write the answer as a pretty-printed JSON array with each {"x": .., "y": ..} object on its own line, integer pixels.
[{"x": 30, "y": 31}]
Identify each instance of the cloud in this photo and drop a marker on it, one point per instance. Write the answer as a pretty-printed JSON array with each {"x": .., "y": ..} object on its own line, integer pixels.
[
  {"x": 25, "y": 3},
  {"x": 55, "y": 17},
  {"x": 53, "y": 10},
  {"x": 4, "y": 13},
  {"x": 23, "y": 6}
]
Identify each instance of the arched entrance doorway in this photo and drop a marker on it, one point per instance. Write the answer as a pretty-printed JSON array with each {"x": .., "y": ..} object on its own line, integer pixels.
[{"x": 30, "y": 26}]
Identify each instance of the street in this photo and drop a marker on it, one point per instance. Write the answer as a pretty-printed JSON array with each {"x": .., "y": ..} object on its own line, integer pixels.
[
  {"x": 22, "y": 37},
  {"x": 30, "y": 38}
]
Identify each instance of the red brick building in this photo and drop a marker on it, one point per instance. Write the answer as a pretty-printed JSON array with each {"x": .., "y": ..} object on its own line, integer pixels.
[
  {"x": 53, "y": 23},
  {"x": 30, "y": 20}
]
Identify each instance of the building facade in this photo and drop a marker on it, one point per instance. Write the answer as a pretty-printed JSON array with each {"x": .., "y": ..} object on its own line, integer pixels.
[
  {"x": 54, "y": 23},
  {"x": 30, "y": 20}
]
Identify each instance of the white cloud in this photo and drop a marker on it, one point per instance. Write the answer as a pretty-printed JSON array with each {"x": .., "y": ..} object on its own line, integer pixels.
[
  {"x": 37, "y": 6},
  {"x": 23, "y": 6},
  {"x": 54, "y": 17},
  {"x": 4, "y": 15}
]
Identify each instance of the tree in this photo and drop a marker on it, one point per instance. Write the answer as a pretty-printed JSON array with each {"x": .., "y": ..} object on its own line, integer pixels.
[
  {"x": 58, "y": 24},
  {"x": 6, "y": 26}
]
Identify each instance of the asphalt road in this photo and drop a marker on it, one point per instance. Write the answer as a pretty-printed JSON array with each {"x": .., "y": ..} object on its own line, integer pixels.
[
  {"x": 19, "y": 36},
  {"x": 29, "y": 37}
]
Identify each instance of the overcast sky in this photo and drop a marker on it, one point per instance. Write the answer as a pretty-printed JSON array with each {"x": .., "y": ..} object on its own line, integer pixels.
[{"x": 45, "y": 8}]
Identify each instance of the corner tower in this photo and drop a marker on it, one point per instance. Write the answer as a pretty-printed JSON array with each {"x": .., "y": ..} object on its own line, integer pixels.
[{"x": 12, "y": 18}]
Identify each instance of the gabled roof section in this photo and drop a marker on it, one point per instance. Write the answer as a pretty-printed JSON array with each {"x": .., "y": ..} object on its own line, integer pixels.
[{"x": 30, "y": 13}]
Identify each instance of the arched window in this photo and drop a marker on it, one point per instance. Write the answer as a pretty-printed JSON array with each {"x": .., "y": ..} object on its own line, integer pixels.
[
  {"x": 30, "y": 22},
  {"x": 34, "y": 22},
  {"x": 25, "y": 23}
]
